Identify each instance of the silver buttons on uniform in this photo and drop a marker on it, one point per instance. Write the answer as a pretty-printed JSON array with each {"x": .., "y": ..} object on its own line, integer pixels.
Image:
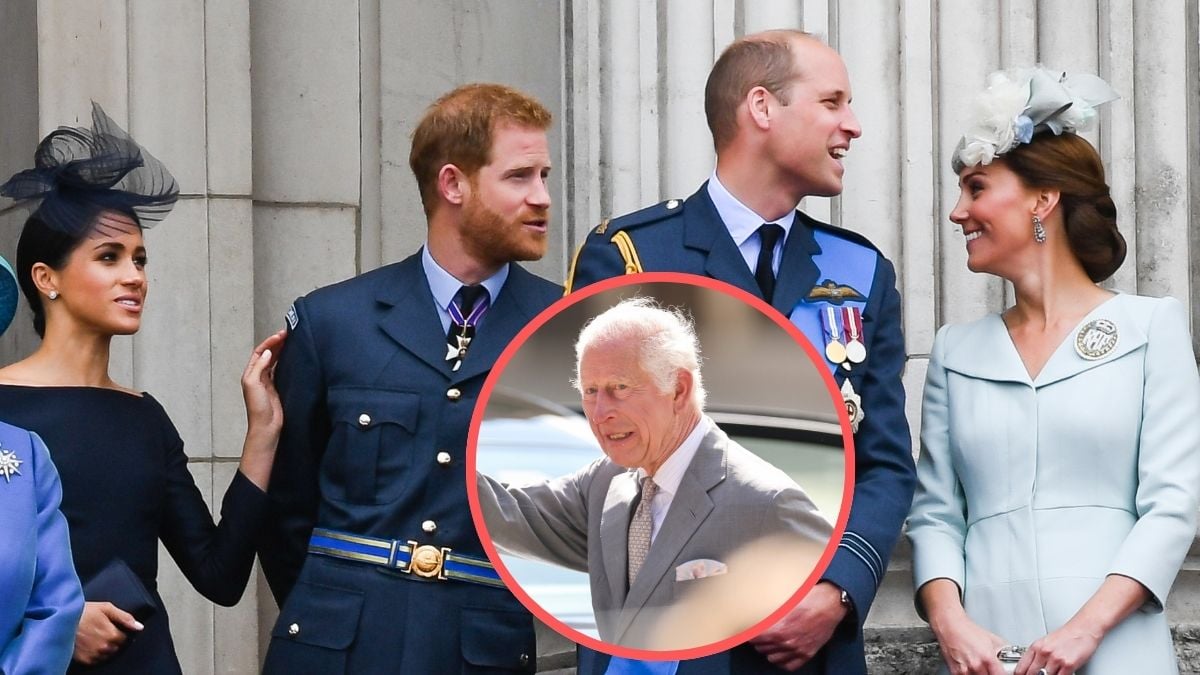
[
  {"x": 364, "y": 419},
  {"x": 443, "y": 458},
  {"x": 429, "y": 527},
  {"x": 454, "y": 393},
  {"x": 294, "y": 629}
]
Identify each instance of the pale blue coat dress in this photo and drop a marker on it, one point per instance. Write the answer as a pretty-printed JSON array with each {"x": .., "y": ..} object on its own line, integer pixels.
[{"x": 1031, "y": 492}]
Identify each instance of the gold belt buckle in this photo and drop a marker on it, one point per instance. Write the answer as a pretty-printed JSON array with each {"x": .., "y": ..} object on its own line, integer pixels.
[{"x": 427, "y": 561}]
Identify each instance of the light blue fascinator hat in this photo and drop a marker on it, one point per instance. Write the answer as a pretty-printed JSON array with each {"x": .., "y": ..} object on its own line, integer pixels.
[
  {"x": 8, "y": 294},
  {"x": 1020, "y": 103}
]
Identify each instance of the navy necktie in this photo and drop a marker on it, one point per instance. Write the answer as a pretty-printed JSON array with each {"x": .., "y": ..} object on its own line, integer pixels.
[{"x": 769, "y": 235}]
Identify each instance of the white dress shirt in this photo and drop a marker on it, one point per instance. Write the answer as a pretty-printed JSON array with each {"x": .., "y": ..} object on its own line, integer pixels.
[
  {"x": 670, "y": 474},
  {"x": 743, "y": 224}
]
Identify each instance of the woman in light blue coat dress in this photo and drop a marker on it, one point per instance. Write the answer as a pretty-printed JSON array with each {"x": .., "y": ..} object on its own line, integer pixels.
[
  {"x": 40, "y": 597},
  {"x": 1060, "y": 444}
]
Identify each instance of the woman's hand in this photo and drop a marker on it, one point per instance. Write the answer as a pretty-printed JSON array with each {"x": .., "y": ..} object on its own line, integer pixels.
[
  {"x": 1062, "y": 652},
  {"x": 966, "y": 647},
  {"x": 1068, "y": 648},
  {"x": 969, "y": 649},
  {"x": 264, "y": 412},
  {"x": 101, "y": 632}
]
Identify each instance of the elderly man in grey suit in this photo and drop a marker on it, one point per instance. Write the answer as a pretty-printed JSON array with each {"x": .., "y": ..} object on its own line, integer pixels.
[{"x": 674, "y": 509}]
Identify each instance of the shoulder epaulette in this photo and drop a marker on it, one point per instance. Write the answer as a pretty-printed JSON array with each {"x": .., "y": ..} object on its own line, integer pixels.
[
  {"x": 650, "y": 214},
  {"x": 628, "y": 251},
  {"x": 615, "y": 230}
]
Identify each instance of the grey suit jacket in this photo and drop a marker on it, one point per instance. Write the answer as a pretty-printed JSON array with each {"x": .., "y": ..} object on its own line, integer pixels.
[{"x": 728, "y": 499}]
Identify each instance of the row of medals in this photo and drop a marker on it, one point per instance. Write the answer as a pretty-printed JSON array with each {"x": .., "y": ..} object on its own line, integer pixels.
[
  {"x": 843, "y": 330},
  {"x": 844, "y": 347}
]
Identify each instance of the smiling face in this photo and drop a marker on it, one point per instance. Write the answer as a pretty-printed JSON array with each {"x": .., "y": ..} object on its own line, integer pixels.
[
  {"x": 637, "y": 425},
  {"x": 506, "y": 210},
  {"x": 995, "y": 210},
  {"x": 816, "y": 124},
  {"x": 102, "y": 287}
]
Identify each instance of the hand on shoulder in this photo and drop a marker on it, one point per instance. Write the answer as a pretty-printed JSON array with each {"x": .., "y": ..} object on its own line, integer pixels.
[{"x": 264, "y": 411}]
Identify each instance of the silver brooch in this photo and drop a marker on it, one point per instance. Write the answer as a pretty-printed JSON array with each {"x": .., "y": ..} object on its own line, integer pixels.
[
  {"x": 9, "y": 464},
  {"x": 853, "y": 406},
  {"x": 1096, "y": 339}
]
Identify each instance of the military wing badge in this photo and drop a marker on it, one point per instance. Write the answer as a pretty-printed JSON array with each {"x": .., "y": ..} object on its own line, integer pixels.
[{"x": 834, "y": 293}]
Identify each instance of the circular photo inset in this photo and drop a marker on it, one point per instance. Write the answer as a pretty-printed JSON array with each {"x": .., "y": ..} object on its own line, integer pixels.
[{"x": 661, "y": 466}]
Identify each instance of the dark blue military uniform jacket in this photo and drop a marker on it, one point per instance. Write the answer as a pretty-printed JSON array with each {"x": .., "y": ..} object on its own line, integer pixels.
[
  {"x": 689, "y": 236},
  {"x": 369, "y": 403}
]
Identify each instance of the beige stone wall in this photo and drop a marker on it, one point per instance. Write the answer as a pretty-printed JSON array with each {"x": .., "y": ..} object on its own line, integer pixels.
[{"x": 287, "y": 123}]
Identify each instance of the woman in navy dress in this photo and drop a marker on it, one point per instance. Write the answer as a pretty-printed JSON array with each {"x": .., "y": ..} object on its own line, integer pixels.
[
  {"x": 81, "y": 264},
  {"x": 40, "y": 598}
]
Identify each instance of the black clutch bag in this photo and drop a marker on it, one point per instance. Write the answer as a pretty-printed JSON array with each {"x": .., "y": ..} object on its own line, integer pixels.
[{"x": 116, "y": 583}]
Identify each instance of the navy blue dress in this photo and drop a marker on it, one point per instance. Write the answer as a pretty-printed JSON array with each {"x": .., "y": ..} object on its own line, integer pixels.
[{"x": 125, "y": 486}]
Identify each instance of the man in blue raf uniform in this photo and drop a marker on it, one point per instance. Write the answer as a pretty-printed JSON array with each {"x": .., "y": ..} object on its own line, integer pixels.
[
  {"x": 778, "y": 105},
  {"x": 375, "y": 562}
]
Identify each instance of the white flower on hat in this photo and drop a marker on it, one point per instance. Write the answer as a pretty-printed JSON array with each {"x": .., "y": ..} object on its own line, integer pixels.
[
  {"x": 1018, "y": 103},
  {"x": 996, "y": 111}
]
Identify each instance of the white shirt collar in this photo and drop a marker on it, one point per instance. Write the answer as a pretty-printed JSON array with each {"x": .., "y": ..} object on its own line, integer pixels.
[
  {"x": 670, "y": 474},
  {"x": 739, "y": 219}
]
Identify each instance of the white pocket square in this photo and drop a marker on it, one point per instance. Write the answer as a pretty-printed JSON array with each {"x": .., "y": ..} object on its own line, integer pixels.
[{"x": 699, "y": 569}]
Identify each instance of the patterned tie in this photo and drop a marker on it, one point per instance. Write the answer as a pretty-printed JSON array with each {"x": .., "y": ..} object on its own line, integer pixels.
[
  {"x": 640, "y": 528},
  {"x": 466, "y": 309},
  {"x": 768, "y": 235}
]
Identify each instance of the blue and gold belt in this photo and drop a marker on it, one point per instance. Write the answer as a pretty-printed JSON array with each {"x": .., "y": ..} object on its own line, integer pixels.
[{"x": 420, "y": 560}]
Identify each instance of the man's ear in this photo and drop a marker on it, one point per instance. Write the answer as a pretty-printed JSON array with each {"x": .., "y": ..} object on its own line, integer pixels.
[
  {"x": 684, "y": 383},
  {"x": 758, "y": 104},
  {"x": 453, "y": 185}
]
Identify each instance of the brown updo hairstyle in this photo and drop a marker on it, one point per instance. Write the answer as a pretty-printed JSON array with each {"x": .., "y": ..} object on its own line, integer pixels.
[{"x": 1071, "y": 165}]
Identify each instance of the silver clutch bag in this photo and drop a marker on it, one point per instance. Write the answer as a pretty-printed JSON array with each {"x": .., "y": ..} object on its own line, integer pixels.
[{"x": 1009, "y": 656}]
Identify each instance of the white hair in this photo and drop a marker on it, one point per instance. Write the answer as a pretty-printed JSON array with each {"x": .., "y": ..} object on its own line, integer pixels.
[{"x": 666, "y": 337}]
